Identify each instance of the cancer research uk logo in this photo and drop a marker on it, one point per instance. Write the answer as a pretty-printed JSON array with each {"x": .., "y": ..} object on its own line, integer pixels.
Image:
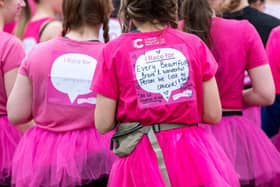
[
  {"x": 71, "y": 76},
  {"x": 162, "y": 76}
]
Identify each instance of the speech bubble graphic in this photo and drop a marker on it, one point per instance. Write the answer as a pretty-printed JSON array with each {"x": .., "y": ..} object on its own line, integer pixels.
[
  {"x": 72, "y": 74},
  {"x": 162, "y": 71}
]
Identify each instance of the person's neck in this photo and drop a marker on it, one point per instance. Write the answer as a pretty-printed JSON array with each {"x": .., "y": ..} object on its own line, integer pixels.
[
  {"x": 43, "y": 11},
  {"x": 84, "y": 33},
  {"x": 148, "y": 27}
]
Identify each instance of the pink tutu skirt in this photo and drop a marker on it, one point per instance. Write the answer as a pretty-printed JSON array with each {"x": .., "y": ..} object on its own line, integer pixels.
[
  {"x": 9, "y": 138},
  {"x": 50, "y": 159},
  {"x": 253, "y": 114},
  {"x": 193, "y": 158},
  {"x": 254, "y": 156}
]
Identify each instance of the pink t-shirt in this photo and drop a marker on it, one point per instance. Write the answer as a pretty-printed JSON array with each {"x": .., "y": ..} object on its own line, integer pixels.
[
  {"x": 237, "y": 47},
  {"x": 61, "y": 71},
  {"x": 11, "y": 55},
  {"x": 272, "y": 49},
  {"x": 9, "y": 27},
  {"x": 31, "y": 34},
  {"x": 155, "y": 77}
]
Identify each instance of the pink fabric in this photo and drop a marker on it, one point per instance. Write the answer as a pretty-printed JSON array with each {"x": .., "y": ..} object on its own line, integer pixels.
[
  {"x": 11, "y": 55},
  {"x": 272, "y": 49},
  {"x": 235, "y": 50},
  {"x": 61, "y": 71},
  {"x": 252, "y": 153},
  {"x": 187, "y": 162},
  {"x": 132, "y": 69},
  {"x": 237, "y": 47},
  {"x": 9, "y": 27},
  {"x": 64, "y": 148},
  {"x": 253, "y": 114},
  {"x": 31, "y": 34},
  {"x": 52, "y": 159},
  {"x": 9, "y": 138}
]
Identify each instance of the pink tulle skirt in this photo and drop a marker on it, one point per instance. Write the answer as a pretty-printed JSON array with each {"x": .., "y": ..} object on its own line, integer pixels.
[
  {"x": 9, "y": 138},
  {"x": 254, "y": 156},
  {"x": 193, "y": 158},
  {"x": 253, "y": 114},
  {"x": 49, "y": 159}
]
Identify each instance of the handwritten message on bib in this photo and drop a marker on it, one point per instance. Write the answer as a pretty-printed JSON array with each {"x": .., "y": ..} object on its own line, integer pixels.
[{"x": 162, "y": 76}]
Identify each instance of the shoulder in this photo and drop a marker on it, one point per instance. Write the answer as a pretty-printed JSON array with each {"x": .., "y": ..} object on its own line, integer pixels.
[
  {"x": 117, "y": 44},
  {"x": 44, "y": 48},
  {"x": 9, "y": 41},
  {"x": 50, "y": 30},
  {"x": 184, "y": 36},
  {"x": 275, "y": 33},
  {"x": 276, "y": 30}
]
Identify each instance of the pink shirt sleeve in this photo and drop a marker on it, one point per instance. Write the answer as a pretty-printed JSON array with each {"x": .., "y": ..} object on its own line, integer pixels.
[
  {"x": 24, "y": 67},
  {"x": 255, "y": 49},
  {"x": 105, "y": 78},
  {"x": 13, "y": 55},
  {"x": 209, "y": 64}
]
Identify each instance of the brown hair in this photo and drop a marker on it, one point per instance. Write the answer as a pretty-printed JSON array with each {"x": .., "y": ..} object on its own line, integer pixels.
[
  {"x": 86, "y": 12},
  {"x": 197, "y": 16},
  {"x": 179, "y": 4},
  {"x": 232, "y": 5},
  {"x": 24, "y": 17},
  {"x": 153, "y": 11}
]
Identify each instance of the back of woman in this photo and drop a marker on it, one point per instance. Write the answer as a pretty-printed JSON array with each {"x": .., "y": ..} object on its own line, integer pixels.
[
  {"x": 238, "y": 48},
  {"x": 270, "y": 114},
  {"x": 44, "y": 24},
  {"x": 53, "y": 88},
  {"x": 159, "y": 79},
  {"x": 11, "y": 54}
]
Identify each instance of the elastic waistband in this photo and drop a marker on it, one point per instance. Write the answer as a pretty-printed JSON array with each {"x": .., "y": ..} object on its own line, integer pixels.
[{"x": 232, "y": 113}]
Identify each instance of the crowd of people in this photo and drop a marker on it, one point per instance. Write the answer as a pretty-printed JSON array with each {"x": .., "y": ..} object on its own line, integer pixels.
[{"x": 139, "y": 93}]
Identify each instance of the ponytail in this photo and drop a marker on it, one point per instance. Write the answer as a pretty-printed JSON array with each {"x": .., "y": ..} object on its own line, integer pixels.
[
  {"x": 197, "y": 16},
  {"x": 106, "y": 29}
]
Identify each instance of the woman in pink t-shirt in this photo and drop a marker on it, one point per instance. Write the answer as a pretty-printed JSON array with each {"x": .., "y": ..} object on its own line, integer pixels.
[
  {"x": 271, "y": 114},
  {"x": 53, "y": 87},
  {"x": 11, "y": 54},
  {"x": 237, "y": 47},
  {"x": 159, "y": 80},
  {"x": 44, "y": 24}
]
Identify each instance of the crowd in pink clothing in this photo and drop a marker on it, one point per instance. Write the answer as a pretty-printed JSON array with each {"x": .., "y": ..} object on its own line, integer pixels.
[{"x": 136, "y": 93}]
